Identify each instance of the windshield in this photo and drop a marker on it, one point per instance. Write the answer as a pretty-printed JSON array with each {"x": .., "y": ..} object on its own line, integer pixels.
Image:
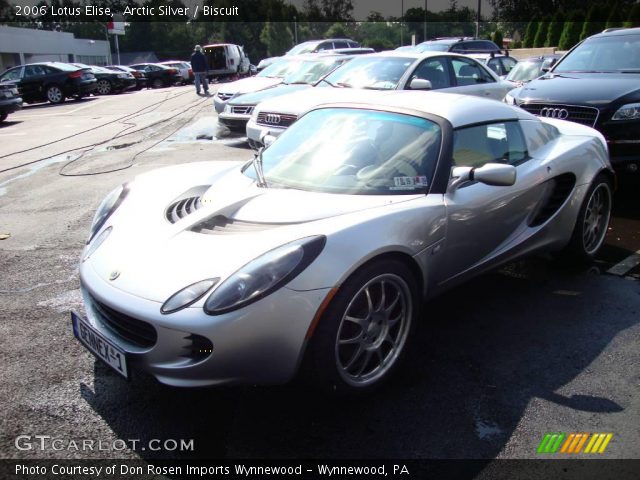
[
  {"x": 525, "y": 71},
  {"x": 280, "y": 69},
  {"x": 619, "y": 53},
  {"x": 305, "y": 47},
  {"x": 354, "y": 151},
  {"x": 379, "y": 73},
  {"x": 311, "y": 71}
]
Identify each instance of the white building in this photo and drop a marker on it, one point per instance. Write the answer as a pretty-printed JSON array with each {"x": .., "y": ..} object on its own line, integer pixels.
[{"x": 25, "y": 45}]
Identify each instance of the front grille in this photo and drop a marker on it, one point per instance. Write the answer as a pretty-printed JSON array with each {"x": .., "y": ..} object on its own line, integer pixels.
[
  {"x": 130, "y": 329},
  {"x": 221, "y": 225},
  {"x": 224, "y": 96},
  {"x": 198, "y": 348},
  {"x": 574, "y": 113},
  {"x": 276, "y": 119},
  {"x": 242, "y": 109},
  {"x": 183, "y": 207}
]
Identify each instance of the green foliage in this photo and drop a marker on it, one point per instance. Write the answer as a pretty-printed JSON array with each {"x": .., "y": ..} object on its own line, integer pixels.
[
  {"x": 530, "y": 34},
  {"x": 571, "y": 32},
  {"x": 517, "y": 44},
  {"x": 554, "y": 30},
  {"x": 541, "y": 34},
  {"x": 497, "y": 38},
  {"x": 634, "y": 17},
  {"x": 593, "y": 22},
  {"x": 337, "y": 30},
  {"x": 615, "y": 17},
  {"x": 277, "y": 37}
]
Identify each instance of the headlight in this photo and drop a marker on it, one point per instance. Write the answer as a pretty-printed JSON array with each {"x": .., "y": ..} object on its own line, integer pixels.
[
  {"x": 630, "y": 111},
  {"x": 509, "y": 99},
  {"x": 97, "y": 242},
  {"x": 188, "y": 295},
  {"x": 264, "y": 275},
  {"x": 254, "y": 114},
  {"x": 107, "y": 207}
]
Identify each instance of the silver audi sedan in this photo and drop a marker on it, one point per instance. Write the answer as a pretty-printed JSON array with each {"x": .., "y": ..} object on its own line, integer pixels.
[{"x": 316, "y": 256}]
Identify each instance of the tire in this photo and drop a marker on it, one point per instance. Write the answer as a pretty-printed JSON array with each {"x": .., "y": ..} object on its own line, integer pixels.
[
  {"x": 157, "y": 83},
  {"x": 54, "y": 94},
  {"x": 593, "y": 220},
  {"x": 103, "y": 87},
  {"x": 3, "y": 117},
  {"x": 363, "y": 335}
]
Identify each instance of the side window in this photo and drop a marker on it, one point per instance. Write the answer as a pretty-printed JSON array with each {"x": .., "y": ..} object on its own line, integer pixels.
[
  {"x": 325, "y": 46},
  {"x": 494, "y": 64},
  {"x": 469, "y": 72},
  {"x": 341, "y": 44},
  {"x": 507, "y": 64},
  {"x": 33, "y": 71},
  {"x": 11, "y": 75},
  {"x": 496, "y": 142},
  {"x": 435, "y": 70}
]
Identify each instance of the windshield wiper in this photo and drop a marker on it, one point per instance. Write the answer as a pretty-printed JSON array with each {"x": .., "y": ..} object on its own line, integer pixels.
[
  {"x": 327, "y": 82},
  {"x": 257, "y": 166},
  {"x": 344, "y": 85},
  {"x": 296, "y": 83}
]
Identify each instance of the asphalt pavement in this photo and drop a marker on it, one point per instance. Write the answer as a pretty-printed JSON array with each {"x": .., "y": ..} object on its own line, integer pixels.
[{"x": 535, "y": 347}]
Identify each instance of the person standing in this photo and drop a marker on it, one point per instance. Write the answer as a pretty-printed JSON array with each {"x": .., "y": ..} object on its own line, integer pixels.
[{"x": 199, "y": 67}]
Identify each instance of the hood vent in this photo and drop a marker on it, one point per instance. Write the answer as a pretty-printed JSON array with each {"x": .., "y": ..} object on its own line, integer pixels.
[
  {"x": 185, "y": 204},
  {"x": 222, "y": 225}
]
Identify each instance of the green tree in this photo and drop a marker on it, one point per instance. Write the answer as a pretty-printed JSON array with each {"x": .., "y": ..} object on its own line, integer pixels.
[
  {"x": 593, "y": 22},
  {"x": 554, "y": 31},
  {"x": 541, "y": 34},
  {"x": 634, "y": 17},
  {"x": 615, "y": 18},
  {"x": 530, "y": 34},
  {"x": 337, "y": 30},
  {"x": 277, "y": 37},
  {"x": 571, "y": 32},
  {"x": 497, "y": 38}
]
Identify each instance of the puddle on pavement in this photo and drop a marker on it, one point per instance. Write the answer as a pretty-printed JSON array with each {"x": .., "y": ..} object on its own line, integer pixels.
[{"x": 31, "y": 169}]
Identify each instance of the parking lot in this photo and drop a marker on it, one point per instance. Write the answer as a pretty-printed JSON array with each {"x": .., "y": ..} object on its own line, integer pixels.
[{"x": 533, "y": 348}]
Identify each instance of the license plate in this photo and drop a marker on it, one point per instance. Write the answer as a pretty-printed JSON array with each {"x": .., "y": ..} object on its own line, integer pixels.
[{"x": 97, "y": 344}]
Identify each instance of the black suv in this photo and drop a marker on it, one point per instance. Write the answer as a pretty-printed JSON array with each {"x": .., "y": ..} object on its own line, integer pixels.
[
  {"x": 597, "y": 83},
  {"x": 50, "y": 81},
  {"x": 458, "y": 45}
]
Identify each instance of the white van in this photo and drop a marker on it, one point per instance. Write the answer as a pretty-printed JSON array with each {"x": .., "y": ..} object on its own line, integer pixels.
[{"x": 224, "y": 59}]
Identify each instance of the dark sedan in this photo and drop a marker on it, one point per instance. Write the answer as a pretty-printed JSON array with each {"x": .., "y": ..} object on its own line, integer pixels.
[
  {"x": 10, "y": 100},
  {"x": 50, "y": 81},
  {"x": 109, "y": 81},
  {"x": 141, "y": 77},
  {"x": 158, "y": 75}
]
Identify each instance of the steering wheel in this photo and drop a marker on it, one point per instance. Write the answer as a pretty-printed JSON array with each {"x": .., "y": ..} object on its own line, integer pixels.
[{"x": 346, "y": 169}]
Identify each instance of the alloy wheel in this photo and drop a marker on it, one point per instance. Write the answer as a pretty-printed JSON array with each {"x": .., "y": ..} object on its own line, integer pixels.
[
  {"x": 104, "y": 87},
  {"x": 373, "y": 330},
  {"x": 596, "y": 218},
  {"x": 54, "y": 94}
]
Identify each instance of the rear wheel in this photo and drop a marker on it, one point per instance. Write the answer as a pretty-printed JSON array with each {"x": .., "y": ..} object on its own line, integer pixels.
[
  {"x": 3, "y": 117},
  {"x": 157, "y": 83},
  {"x": 55, "y": 94},
  {"x": 104, "y": 87},
  {"x": 593, "y": 220},
  {"x": 363, "y": 334}
]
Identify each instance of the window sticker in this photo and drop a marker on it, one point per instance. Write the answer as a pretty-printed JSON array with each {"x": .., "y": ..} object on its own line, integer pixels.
[{"x": 409, "y": 183}]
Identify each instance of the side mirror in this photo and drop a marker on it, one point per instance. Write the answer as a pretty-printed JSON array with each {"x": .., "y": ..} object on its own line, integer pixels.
[
  {"x": 420, "y": 84},
  {"x": 495, "y": 174},
  {"x": 267, "y": 139}
]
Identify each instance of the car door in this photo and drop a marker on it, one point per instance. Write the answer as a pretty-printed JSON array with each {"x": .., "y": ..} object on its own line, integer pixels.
[
  {"x": 472, "y": 78},
  {"x": 434, "y": 69},
  {"x": 484, "y": 221},
  {"x": 33, "y": 81}
]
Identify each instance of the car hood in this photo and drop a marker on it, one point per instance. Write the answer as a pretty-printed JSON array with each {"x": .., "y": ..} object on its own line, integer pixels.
[
  {"x": 256, "y": 97},
  {"x": 300, "y": 102},
  {"x": 251, "y": 84},
  {"x": 236, "y": 223},
  {"x": 580, "y": 88}
]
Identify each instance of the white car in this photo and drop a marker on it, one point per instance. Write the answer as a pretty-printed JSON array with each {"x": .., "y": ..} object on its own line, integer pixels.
[
  {"x": 501, "y": 64},
  {"x": 317, "y": 255},
  {"x": 183, "y": 67},
  {"x": 395, "y": 70},
  {"x": 269, "y": 77}
]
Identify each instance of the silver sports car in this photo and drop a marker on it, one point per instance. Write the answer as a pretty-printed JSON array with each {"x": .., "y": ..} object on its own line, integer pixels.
[{"x": 316, "y": 256}]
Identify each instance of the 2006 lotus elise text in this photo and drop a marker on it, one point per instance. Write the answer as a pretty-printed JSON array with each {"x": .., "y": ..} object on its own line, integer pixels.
[{"x": 317, "y": 255}]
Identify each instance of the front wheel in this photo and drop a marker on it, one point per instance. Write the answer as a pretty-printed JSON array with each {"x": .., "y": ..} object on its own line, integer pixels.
[
  {"x": 157, "y": 83},
  {"x": 55, "y": 94},
  {"x": 363, "y": 335},
  {"x": 593, "y": 220},
  {"x": 104, "y": 87},
  {"x": 3, "y": 117}
]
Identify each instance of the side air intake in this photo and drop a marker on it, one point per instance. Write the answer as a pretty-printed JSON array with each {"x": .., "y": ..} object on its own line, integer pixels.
[{"x": 557, "y": 193}]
